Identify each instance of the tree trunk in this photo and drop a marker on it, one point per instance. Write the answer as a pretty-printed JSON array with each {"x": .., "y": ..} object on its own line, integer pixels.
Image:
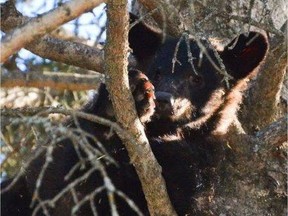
[{"x": 140, "y": 153}]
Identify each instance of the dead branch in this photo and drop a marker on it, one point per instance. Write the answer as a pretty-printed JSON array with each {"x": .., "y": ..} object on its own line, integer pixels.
[
  {"x": 43, "y": 111},
  {"x": 141, "y": 156},
  {"x": 59, "y": 81},
  {"x": 80, "y": 142}
]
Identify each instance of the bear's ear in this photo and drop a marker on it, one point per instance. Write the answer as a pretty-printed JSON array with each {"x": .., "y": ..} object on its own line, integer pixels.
[
  {"x": 143, "y": 40},
  {"x": 243, "y": 54}
]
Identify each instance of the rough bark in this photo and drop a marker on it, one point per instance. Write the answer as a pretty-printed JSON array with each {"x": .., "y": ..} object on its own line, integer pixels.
[
  {"x": 116, "y": 53},
  {"x": 262, "y": 102},
  {"x": 253, "y": 174}
]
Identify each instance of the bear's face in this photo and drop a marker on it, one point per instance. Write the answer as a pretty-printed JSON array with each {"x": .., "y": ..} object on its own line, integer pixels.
[{"x": 183, "y": 89}]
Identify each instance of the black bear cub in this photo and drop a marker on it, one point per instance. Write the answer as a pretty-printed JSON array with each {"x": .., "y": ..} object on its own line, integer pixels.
[{"x": 193, "y": 106}]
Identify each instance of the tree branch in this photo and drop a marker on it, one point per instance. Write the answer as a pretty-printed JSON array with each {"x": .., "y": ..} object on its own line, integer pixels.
[
  {"x": 141, "y": 155},
  {"x": 48, "y": 47},
  {"x": 250, "y": 20},
  {"x": 44, "y": 111},
  {"x": 41, "y": 25},
  {"x": 273, "y": 135},
  {"x": 60, "y": 81},
  {"x": 167, "y": 16},
  {"x": 254, "y": 173},
  {"x": 261, "y": 105},
  {"x": 270, "y": 137}
]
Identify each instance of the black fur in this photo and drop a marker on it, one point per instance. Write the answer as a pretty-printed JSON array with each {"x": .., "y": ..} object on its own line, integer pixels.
[{"x": 193, "y": 106}]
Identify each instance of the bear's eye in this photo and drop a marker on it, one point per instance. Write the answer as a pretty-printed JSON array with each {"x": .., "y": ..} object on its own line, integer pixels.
[{"x": 195, "y": 80}]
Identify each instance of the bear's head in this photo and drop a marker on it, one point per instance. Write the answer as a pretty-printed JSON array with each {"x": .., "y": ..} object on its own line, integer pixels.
[{"x": 191, "y": 87}]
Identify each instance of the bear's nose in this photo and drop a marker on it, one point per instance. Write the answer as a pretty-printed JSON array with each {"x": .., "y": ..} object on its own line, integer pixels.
[{"x": 164, "y": 99}]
